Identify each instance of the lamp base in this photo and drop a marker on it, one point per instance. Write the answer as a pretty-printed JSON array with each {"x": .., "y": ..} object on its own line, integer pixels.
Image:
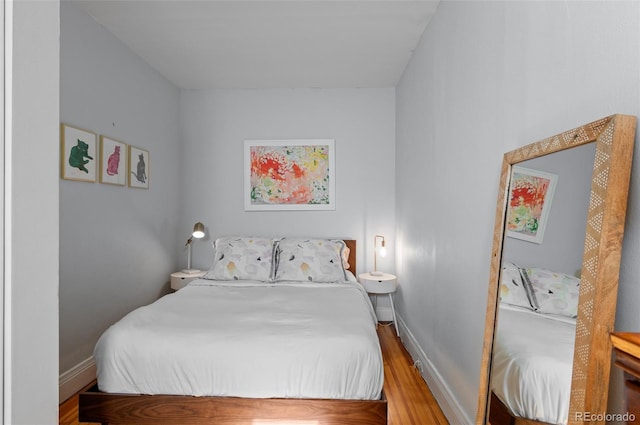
[
  {"x": 376, "y": 273},
  {"x": 190, "y": 271}
]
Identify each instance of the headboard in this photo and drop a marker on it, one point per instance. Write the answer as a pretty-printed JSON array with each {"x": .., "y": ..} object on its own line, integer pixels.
[{"x": 351, "y": 244}]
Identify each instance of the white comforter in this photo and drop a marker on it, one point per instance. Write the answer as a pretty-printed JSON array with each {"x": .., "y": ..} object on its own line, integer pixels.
[
  {"x": 532, "y": 364},
  {"x": 247, "y": 340}
]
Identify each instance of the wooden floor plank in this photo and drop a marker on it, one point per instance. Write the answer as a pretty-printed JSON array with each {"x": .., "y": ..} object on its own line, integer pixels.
[
  {"x": 68, "y": 410},
  {"x": 410, "y": 401}
]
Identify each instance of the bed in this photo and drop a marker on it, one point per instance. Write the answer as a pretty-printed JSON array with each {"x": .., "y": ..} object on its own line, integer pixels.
[
  {"x": 275, "y": 346},
  {"x": 533, "y": 350}
]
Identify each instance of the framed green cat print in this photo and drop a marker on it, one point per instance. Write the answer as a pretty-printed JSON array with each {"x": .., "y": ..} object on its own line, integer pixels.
[
  {"x": 113, "y": 161},
  {"x": 77, "y": 154},
  {"x": 138, "y": 172}
]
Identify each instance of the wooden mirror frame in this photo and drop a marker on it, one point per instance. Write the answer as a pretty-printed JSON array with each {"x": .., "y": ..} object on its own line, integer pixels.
[{"x": 614, "y": 138}]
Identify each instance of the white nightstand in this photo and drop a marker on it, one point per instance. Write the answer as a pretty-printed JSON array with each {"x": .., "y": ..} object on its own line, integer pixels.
[
  {"x": 383, "y": 284},
  {"x": 180, "y": 279}
]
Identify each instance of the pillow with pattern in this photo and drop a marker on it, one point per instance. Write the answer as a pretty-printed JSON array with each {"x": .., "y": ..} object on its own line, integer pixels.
[
  {"x": 242, "y": 258},
  {"x": 312, "y": 260},
  {"x": 514, "y": 290},
  {"x": 554, "y": 293}
]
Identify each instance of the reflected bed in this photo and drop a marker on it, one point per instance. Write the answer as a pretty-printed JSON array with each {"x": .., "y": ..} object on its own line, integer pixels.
[{"x": 532, "y": 364}]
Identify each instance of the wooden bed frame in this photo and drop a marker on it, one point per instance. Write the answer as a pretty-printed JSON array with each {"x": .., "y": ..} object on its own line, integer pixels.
[{"x": 140, "y": 409}]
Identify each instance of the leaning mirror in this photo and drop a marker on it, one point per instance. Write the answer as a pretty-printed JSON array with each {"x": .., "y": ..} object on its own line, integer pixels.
[{"x": 551, "y": 302}]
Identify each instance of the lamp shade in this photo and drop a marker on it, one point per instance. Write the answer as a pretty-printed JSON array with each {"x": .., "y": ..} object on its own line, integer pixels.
[{"x": 198, "y": 230}]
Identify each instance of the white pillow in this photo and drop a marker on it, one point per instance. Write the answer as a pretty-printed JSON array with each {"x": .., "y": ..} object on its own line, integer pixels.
[
  {"x": 313, "y": 260},
  {"x": 242, "y": 258}
]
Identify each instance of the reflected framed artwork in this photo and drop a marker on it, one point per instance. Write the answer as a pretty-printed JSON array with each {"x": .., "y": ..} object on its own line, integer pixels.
[
  {"x": 113, "y": 161},
  {"x": 77, "y": 154},
  {"x": 289, "y": 175},
  {"x": 530, "y": 196},
  {"x": 138, "y": 168}
]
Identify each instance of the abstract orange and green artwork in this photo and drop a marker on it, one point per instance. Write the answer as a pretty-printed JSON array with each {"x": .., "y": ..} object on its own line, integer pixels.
[
  {"x": 289, "y": 175},
  {"x": 530, "y": 196}
]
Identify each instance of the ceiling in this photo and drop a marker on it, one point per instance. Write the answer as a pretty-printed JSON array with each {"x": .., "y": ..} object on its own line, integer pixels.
[{"x": 240, "y": 44}]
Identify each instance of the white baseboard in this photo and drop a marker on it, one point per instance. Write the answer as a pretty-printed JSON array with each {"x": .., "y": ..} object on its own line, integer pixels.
[
  {"x": 440, "y": 390},
  {"x": 382, "y": 307},
  {"x": 76, "y": 378},
  {"x": 384, "y": 314}
]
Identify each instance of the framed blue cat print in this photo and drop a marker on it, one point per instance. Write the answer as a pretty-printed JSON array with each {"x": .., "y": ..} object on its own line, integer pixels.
[
  {"x": 77, "y": 154},
  {"x": 113, "y": 161},
  {"x": 138, "y": 172}
]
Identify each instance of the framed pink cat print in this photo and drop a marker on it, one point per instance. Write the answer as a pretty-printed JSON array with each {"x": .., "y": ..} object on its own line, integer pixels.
[
  {"x": 138, "y": 173},
  {"x": 113, "y": 161}
]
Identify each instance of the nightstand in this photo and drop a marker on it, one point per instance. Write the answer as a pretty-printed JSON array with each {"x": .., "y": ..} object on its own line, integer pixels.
[
  {"x": 385, "y": 283},
  {"x": 180, "y": 279}
]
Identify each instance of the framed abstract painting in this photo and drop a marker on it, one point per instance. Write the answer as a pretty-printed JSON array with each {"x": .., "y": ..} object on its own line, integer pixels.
[
  {"x": 113, "y": 161},
  {"x": 289, "y": 175},
  {"x": 77, "y": 154},
  {"x": 138, "y": 171},
  {"x": 530, "y": 196}
]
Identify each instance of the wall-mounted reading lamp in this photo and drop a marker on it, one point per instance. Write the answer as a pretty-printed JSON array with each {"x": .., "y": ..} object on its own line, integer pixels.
[
  {"x": 198, "y": 232},
  {"x": 383, "y": 252}
]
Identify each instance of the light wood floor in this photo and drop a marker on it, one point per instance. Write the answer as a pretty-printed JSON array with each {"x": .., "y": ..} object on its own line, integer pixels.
[{"x": 410, "y": 401}]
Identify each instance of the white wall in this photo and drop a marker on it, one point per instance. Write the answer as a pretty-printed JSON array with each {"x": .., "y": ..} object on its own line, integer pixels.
[
  {"x": 31, "y": 213},
  {"x": 215, "y": 125},
  {"x": 117, "y": 244},
  {"x": 486, "y": 78}
]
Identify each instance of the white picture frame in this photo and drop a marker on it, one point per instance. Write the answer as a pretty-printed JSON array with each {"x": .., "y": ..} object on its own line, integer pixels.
[
  {"x": 113, "y": 161},
  {"x": 286, "y": 175},
  {"x": 530, "y": 197}
]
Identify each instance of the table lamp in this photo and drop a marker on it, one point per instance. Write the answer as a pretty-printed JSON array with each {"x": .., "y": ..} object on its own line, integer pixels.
[{"x": 198, "y": 232}]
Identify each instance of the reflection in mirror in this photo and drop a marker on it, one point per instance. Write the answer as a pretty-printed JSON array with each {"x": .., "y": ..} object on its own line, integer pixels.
[
  {"x": 562, "y": 242},
  {"x": 533, "y": 349},
  {"x": 541, "y": 363}
]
